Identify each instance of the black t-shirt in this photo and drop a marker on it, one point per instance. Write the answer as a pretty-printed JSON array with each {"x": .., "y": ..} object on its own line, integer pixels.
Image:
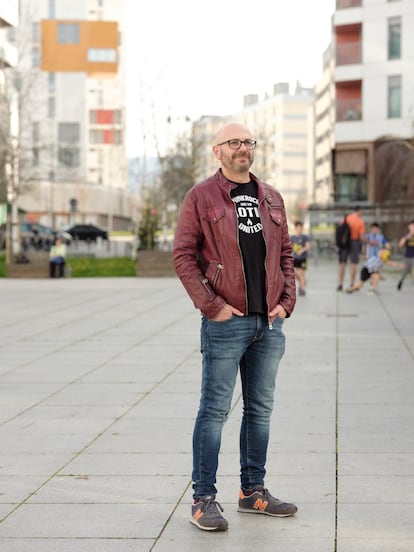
[{"x": 252, "y": 244}]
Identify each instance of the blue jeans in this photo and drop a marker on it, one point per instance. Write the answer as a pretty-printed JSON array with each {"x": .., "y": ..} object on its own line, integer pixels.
[{"x": 246, "y": 343}]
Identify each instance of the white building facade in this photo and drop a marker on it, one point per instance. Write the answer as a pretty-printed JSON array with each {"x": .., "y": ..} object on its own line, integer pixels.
[
  {"x": 72, "y": 95},
  {"x": 369, "y": 79},
  {"x": 9, "y": 128}
]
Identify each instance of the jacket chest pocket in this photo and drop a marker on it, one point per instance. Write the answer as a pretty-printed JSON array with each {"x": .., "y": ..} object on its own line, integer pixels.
[
  {"x": 276, "y": 216},
  {"x": 275, "y": 213},
  {"x": 215, "y": 217}
]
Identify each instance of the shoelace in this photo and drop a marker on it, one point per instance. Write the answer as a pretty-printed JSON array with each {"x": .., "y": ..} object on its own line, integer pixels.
[{"x": 209, "y": 503}]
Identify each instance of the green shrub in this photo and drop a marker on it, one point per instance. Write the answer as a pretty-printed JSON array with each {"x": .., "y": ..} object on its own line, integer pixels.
[
  {"x": 83, "y": 267},
  {"x": 2, "y": 265}
]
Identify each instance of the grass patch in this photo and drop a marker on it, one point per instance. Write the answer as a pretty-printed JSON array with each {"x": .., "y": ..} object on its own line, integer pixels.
[
  {"x": 2, "y": 265},
  {"x": 84, "y": 267}
]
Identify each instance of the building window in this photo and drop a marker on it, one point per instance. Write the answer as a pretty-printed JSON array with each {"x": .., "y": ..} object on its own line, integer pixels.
[
  {"x": 394, "y": 38},
  {"x": 51, "y": 107},
  {"x": 35, "y": 157},
  {"x": 11, "y": 34},
  {"x": 35, "y": 57},
  {"x": 35, "y": 32},
  {"x": 68, "y": 33},
  {"x": 105, "y": 117},
  {"x": 51, "y": 82},
  {"x": 394, "y": 97},
  {"x": 350, "y": 187},
  {"x": 68, "y": 157},
  {"x": 52, "y": 9},
  {"x": 102, "y": 55},
  {"x": 109, "y": 136},
  {"x": 340, "y": 4},
  {"x": 36, "y": 132},
  {"x": 69, "y": 133}
]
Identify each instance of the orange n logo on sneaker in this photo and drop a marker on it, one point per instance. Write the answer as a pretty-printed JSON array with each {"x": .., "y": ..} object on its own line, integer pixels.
[
  {"x": 260, "y": 504},
  {"x": 198, "y": 514}
]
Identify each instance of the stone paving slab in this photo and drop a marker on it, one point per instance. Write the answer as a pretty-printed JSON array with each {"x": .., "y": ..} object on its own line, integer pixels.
[{"x": 99, "y": 387}]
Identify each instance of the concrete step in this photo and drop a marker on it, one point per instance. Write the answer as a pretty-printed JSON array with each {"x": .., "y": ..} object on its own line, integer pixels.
[
  {"x": 36, "y": 267},
  {"x": 156, "y": 264}
]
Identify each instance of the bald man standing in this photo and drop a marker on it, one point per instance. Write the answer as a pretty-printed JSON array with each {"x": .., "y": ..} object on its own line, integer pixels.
[{"x": 233, "y": 254}]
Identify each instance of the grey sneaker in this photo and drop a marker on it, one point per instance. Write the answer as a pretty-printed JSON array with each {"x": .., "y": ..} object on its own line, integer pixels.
[
  {"x": 262, "y": 502},
  {"x": 206, "y": 514}
]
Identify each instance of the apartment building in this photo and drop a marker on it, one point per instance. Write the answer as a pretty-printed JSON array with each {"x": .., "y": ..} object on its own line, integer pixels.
[
  {"x": 324, "y": 129},
  {"x": 373, "y": 81},
  {"x": 8, "y": 100},
  {"x": 282, "y": 123},
  {"x": 72, "y": 116},
  {"x": 9, "y": 17}
]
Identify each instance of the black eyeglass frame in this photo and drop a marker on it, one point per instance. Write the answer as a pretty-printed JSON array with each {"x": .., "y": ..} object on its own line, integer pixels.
[{"x": 250, "y": 142}]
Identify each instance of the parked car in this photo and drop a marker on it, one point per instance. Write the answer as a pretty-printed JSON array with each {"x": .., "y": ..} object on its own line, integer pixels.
[
  {"x": 86, "y": 232},
  {"x": 40, "y": 236}
]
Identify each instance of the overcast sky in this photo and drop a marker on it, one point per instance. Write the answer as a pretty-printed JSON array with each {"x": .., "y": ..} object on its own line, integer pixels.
[{"x": 193, "y": 58}]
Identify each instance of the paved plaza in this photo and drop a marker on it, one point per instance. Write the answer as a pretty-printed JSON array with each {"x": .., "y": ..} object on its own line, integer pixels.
[{"x": 99, "y": 388}]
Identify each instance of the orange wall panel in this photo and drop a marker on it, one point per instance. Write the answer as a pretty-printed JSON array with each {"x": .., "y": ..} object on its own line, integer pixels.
[{"x": 57, "y": 57}]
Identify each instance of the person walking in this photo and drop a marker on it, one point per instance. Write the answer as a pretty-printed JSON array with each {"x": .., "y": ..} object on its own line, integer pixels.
[
  {"x": 300, "y": 245},
  {"x": 407, "y": 242},
  {"x": 232, "y": 253},
  {"x": 357, "y": 232}
]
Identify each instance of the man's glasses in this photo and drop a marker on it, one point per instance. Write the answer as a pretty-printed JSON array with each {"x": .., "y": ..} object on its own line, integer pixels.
[{"x": 236, "y": 144}]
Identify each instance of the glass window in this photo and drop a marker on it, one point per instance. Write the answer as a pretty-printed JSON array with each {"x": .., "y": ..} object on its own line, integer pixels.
[
  {"x": 69, "y": 133},
  {"x": 96, "y": 136},
  {"x": 51, "y": 82},
  {"x": 394, "y": 97},
  {"x": 350, "y": 187},
  {"x": 52, "y": 9},
  {"x": 68, "y": 33},
  {"x": 35, "y": 57},
  {"x": 11, "y": 34},
  {"x": 68, "y": 157},
  {"x": 394, "y": 38},
  {"x": 36, "y": 132},
  {"x": 35, "y": 32},
  {"x": 108, "y": 136},
  {"x": 102, "y": 55},
  {"x": 35, "y": 157},
  {"x": 51, "y": 107},
  {"x": 105, "y": 117}
]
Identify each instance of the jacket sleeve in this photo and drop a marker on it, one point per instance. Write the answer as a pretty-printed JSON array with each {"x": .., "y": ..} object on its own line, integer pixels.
[{"x": 187, "y": 241}]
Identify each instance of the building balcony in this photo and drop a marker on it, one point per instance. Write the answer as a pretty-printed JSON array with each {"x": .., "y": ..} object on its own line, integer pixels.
[
  {"x": 348, "y": 110},
  {"x": 343, "y": 4},
  {"x": 348, "y": 53}
]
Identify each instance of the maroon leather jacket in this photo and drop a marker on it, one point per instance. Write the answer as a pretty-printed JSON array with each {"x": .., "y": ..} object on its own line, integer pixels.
[{"x": 207, "y": 256}]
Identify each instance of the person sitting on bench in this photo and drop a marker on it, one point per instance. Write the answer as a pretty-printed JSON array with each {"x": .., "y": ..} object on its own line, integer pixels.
[{"x": 57, "y": 259}]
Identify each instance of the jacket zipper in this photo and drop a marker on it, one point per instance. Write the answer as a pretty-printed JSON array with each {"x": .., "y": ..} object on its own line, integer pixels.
[
  {"x": 266, "y": 278},
  {"x": 204, "y": 281},
  {"x": 241, "y": 255},
  {"x": 216, "y": 275}
]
